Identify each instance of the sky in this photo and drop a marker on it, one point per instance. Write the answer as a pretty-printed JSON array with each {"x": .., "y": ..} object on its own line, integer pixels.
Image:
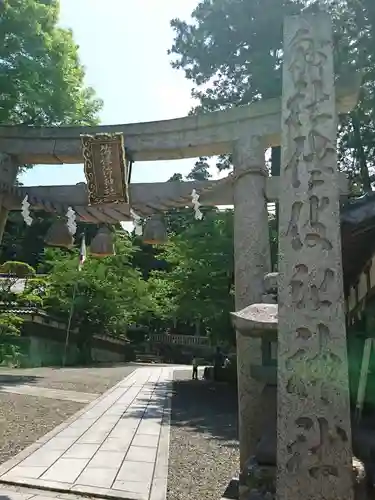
[{"x": 123, "y": 46}]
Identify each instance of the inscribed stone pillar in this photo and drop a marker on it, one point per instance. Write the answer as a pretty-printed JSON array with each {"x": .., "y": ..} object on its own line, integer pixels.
[
  {"x": 313, "y": 434},
  {"x": 8, "y": 174},
  {"x": 252, "y": 261}
]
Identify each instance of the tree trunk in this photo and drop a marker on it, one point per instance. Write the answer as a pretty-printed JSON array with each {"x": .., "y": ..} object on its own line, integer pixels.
[
  {"x": 84, "y": 342},
  {"x": 197, "y": 327},
  {"x": 360, "y": 154}
]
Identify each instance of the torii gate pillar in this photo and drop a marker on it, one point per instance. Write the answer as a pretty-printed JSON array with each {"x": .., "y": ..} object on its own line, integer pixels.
[
  {"x": 8, "y": 174},
  {"x": 252, "y": 261}
]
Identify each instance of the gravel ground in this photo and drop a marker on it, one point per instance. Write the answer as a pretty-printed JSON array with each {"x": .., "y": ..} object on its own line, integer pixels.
[
  {"x": 204, "y": 451},
  {"x": 92, "y": 380},
  {"x": 24, "y": 419}
]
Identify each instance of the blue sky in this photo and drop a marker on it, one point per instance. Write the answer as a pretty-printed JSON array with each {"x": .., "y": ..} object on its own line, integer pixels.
[{"x": 123, "y": 46}]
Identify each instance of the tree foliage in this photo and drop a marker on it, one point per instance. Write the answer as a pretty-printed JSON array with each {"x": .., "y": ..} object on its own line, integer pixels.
[
  {"x": 41, "y": 78},
  {"x": 108, "y": 293},
  {"x": 199, "y": 281},
  {"x": 232, "y": 53}
]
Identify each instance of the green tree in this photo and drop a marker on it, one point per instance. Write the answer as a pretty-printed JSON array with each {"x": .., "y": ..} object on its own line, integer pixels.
[
  {"x": 41, "y": 78},
  {"x": 232, "y": 53},
  {"x": 110, "y": 293},
  {"x": 10, "y": 327},
  {"x": 200, "y": 171},
  {"x": 177, "y": 177},
  {"x": 16, "y": 274},
  {"x": 355, "y": 50},
  {"x": 199, "y": 277}
]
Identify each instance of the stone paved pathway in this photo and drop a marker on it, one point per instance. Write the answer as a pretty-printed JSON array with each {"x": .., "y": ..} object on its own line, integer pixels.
[{"x": 117, "y": 447}]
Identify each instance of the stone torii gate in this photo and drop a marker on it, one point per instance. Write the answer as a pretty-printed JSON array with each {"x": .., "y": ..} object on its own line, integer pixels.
[{"x": 246, "y": 132}]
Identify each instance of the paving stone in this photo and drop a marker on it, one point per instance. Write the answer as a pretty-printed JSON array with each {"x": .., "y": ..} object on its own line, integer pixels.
[
  {"x": 38, "y": 484},
  {"x": 122, "y": 432},
  {"x": 128, "y": 495},
  {"x": 89, "y": 490},
  {"x": 107, "y": 459},
  {"x": 127, "y": 421},
  {"x": 42, "y": 458},
  {"x": 153, "y": 413},
  {"x": 132, "y": 487},
  {"x": 103, "y": 424},
  {"x": 97, "y": 477},
  {"x": 59, "y": 443},
  {"x": 83, "y": 422},
  {"x": 161, "y": 467},
  {"x": 127, "y": 398},
  {"x": 148, "y": 440},
  {"x": 152, "y": 428},
  {"x": 94, "y": 413},
  {"x": 141, "y": 454},
  {"x": 81, "y": 451},
  {"x": 66, "y": 470},
  {"x": 136, "y": 471},
  {"x": 117, "y": 444},
  {"x": 135, "y": 414},
  {"x": 28, "y": 472},
  {"x": 72, "y": 432},
  {"x": 110, "y": 420},
  {"x": 91, "y": 437},
  {"x": 158, "y": 488}
]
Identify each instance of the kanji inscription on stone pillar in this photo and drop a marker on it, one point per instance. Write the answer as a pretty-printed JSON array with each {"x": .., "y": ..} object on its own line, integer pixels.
[{"x": 314, "y": 436}]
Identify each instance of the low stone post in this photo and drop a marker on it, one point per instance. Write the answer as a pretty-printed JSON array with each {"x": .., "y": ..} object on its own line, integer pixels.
[
  {"x": 252, "y": 262},
  {"x": 313, "y": 437}
]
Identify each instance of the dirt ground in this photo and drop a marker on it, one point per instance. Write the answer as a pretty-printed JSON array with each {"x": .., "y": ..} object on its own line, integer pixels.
[{"x": 204, "y": 448}]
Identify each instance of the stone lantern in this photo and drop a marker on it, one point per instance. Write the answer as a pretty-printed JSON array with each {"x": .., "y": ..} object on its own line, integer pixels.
[{"x": 261, "y": 321}]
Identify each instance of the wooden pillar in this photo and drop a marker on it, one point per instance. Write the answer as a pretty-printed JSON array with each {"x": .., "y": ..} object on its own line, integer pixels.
[
  {"x": 313, "y": 435},
  {"x": 252, "y": 262}
]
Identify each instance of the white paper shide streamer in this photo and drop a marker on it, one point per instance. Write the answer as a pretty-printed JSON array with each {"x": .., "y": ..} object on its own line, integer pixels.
[
  {"x": 71, "y": 221},
  {"x": 137, "y": 223},
  {"x": 195, "y": 200},
  {"x": 25, "y": 210}
]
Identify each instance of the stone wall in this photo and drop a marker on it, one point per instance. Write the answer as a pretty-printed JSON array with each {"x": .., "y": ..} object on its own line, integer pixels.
[
  {"x": 43, "y": 345},
  {"x": 106, "y": 356},
  {"x": 48, "y": 352}
]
